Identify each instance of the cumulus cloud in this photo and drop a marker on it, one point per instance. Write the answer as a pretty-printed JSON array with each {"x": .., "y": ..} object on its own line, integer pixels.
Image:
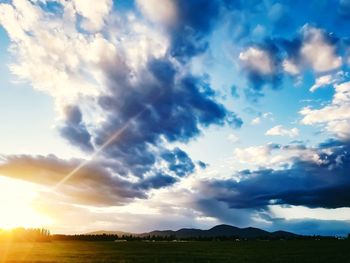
[
  {"x": 318, "y": 51},
  {"x": 279, "y": 130},
  {"x": 276, "y": 155},
  {"x": 94, "y": 17},
  {"x": 256, "y": 121},
  {"x": 334, "y": 116},
  {"x": 261, "y": 64},
  {"x": 261, "y": 117},
  {"x": 257, "y": 60},
  {"x": 51, "y": 53},
  {"x": 290, "y": 67},
  {"x": 265, "y": 62},
  {"x": 255, "y": 154},
  {"x": 165, "y": 13},
  {"x": 312, "y": 48}
]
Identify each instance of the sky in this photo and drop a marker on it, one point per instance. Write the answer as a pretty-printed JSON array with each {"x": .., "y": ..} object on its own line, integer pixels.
[{"x": 137, "y": 115}]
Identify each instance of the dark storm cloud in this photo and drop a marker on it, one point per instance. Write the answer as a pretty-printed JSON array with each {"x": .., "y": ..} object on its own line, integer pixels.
[
  {"x": 195, "y": 21},
  {"x": 325, "y": 183},
  {"x": 75, "y": 130},
  {"x": 171, "y": 108},
  {"x": 179, "y": 162},
  {"x": 157, "y": 181},
  {"x": 221, "y": 211}
]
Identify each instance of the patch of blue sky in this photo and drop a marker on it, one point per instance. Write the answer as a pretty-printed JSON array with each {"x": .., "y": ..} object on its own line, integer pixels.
[{"x": 124, "y": 5}]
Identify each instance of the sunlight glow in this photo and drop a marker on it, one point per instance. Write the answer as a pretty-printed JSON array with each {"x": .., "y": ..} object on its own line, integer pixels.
[{"x": 16, "y": 199}]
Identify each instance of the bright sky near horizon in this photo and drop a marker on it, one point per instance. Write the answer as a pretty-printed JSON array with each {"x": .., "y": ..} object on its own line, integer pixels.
[{"x": 137, "y": 115}]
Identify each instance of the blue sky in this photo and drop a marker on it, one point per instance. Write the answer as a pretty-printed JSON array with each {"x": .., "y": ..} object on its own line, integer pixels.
[{"x": 179, "y": 114}]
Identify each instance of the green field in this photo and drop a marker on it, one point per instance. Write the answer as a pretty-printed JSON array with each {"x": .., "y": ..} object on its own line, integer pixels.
[{"x": 244, "y": 251}]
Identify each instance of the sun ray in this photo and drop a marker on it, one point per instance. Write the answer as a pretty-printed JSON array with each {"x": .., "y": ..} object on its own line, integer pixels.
[{"x": 111, "y": 139}]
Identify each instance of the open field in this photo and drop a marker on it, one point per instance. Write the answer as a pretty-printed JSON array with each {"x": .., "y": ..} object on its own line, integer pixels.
[{"x": 245, "y": 251}]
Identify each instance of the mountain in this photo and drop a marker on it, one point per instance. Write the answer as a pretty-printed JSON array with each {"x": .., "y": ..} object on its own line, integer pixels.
[{"x": 216, "y": 231}]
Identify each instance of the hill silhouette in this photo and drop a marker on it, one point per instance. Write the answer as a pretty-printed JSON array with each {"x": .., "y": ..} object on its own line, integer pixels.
[{"x": 216, "y": 231}]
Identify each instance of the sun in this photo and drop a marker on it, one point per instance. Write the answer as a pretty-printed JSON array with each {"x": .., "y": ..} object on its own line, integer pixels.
[{"x": 16, "y": 209}]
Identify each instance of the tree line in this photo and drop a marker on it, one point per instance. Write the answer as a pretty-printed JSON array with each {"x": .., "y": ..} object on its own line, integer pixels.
[
  {"x": 44, "y": 235},
  {"x": 22, "y": 234},
  {"x": 114, "y": 237}
]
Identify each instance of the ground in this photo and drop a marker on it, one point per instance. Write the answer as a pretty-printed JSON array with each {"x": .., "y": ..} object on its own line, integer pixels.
[{"x": 215, "y": 251}]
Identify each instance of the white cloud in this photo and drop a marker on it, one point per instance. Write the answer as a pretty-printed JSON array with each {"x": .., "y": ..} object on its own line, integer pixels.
[
  {"x": 19, "y": 18},
  {"x": 329, "y": 79},
  {"x": 257, "y": 60},
  {"x": 290, "y": 67},
  {"x": 269, "y": 155},
  {"x": 55, "y": 57},
  {"x": 334, "y": 116},
  {"x": 94, "y": 12},
  {"x": 263, "y": 116},
  {"x": 164, "y": 12},
  {"x": 253, "y": 155},
  {"x": 322, "y": 81},
  {"x": 50, "y": 55},
  {"x": 279, "y": 130},
  {"x": 276, "y": 156},
  {"x": 256, "y": 121},
  {"x": 318, "y": 52}
]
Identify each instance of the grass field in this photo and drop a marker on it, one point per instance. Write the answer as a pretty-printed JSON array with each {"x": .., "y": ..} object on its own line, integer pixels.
[{"x": 245, "y": 251}]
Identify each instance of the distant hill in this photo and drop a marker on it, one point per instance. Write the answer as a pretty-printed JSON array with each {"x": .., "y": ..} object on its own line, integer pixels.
[{"x": 216, "y": 231}]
